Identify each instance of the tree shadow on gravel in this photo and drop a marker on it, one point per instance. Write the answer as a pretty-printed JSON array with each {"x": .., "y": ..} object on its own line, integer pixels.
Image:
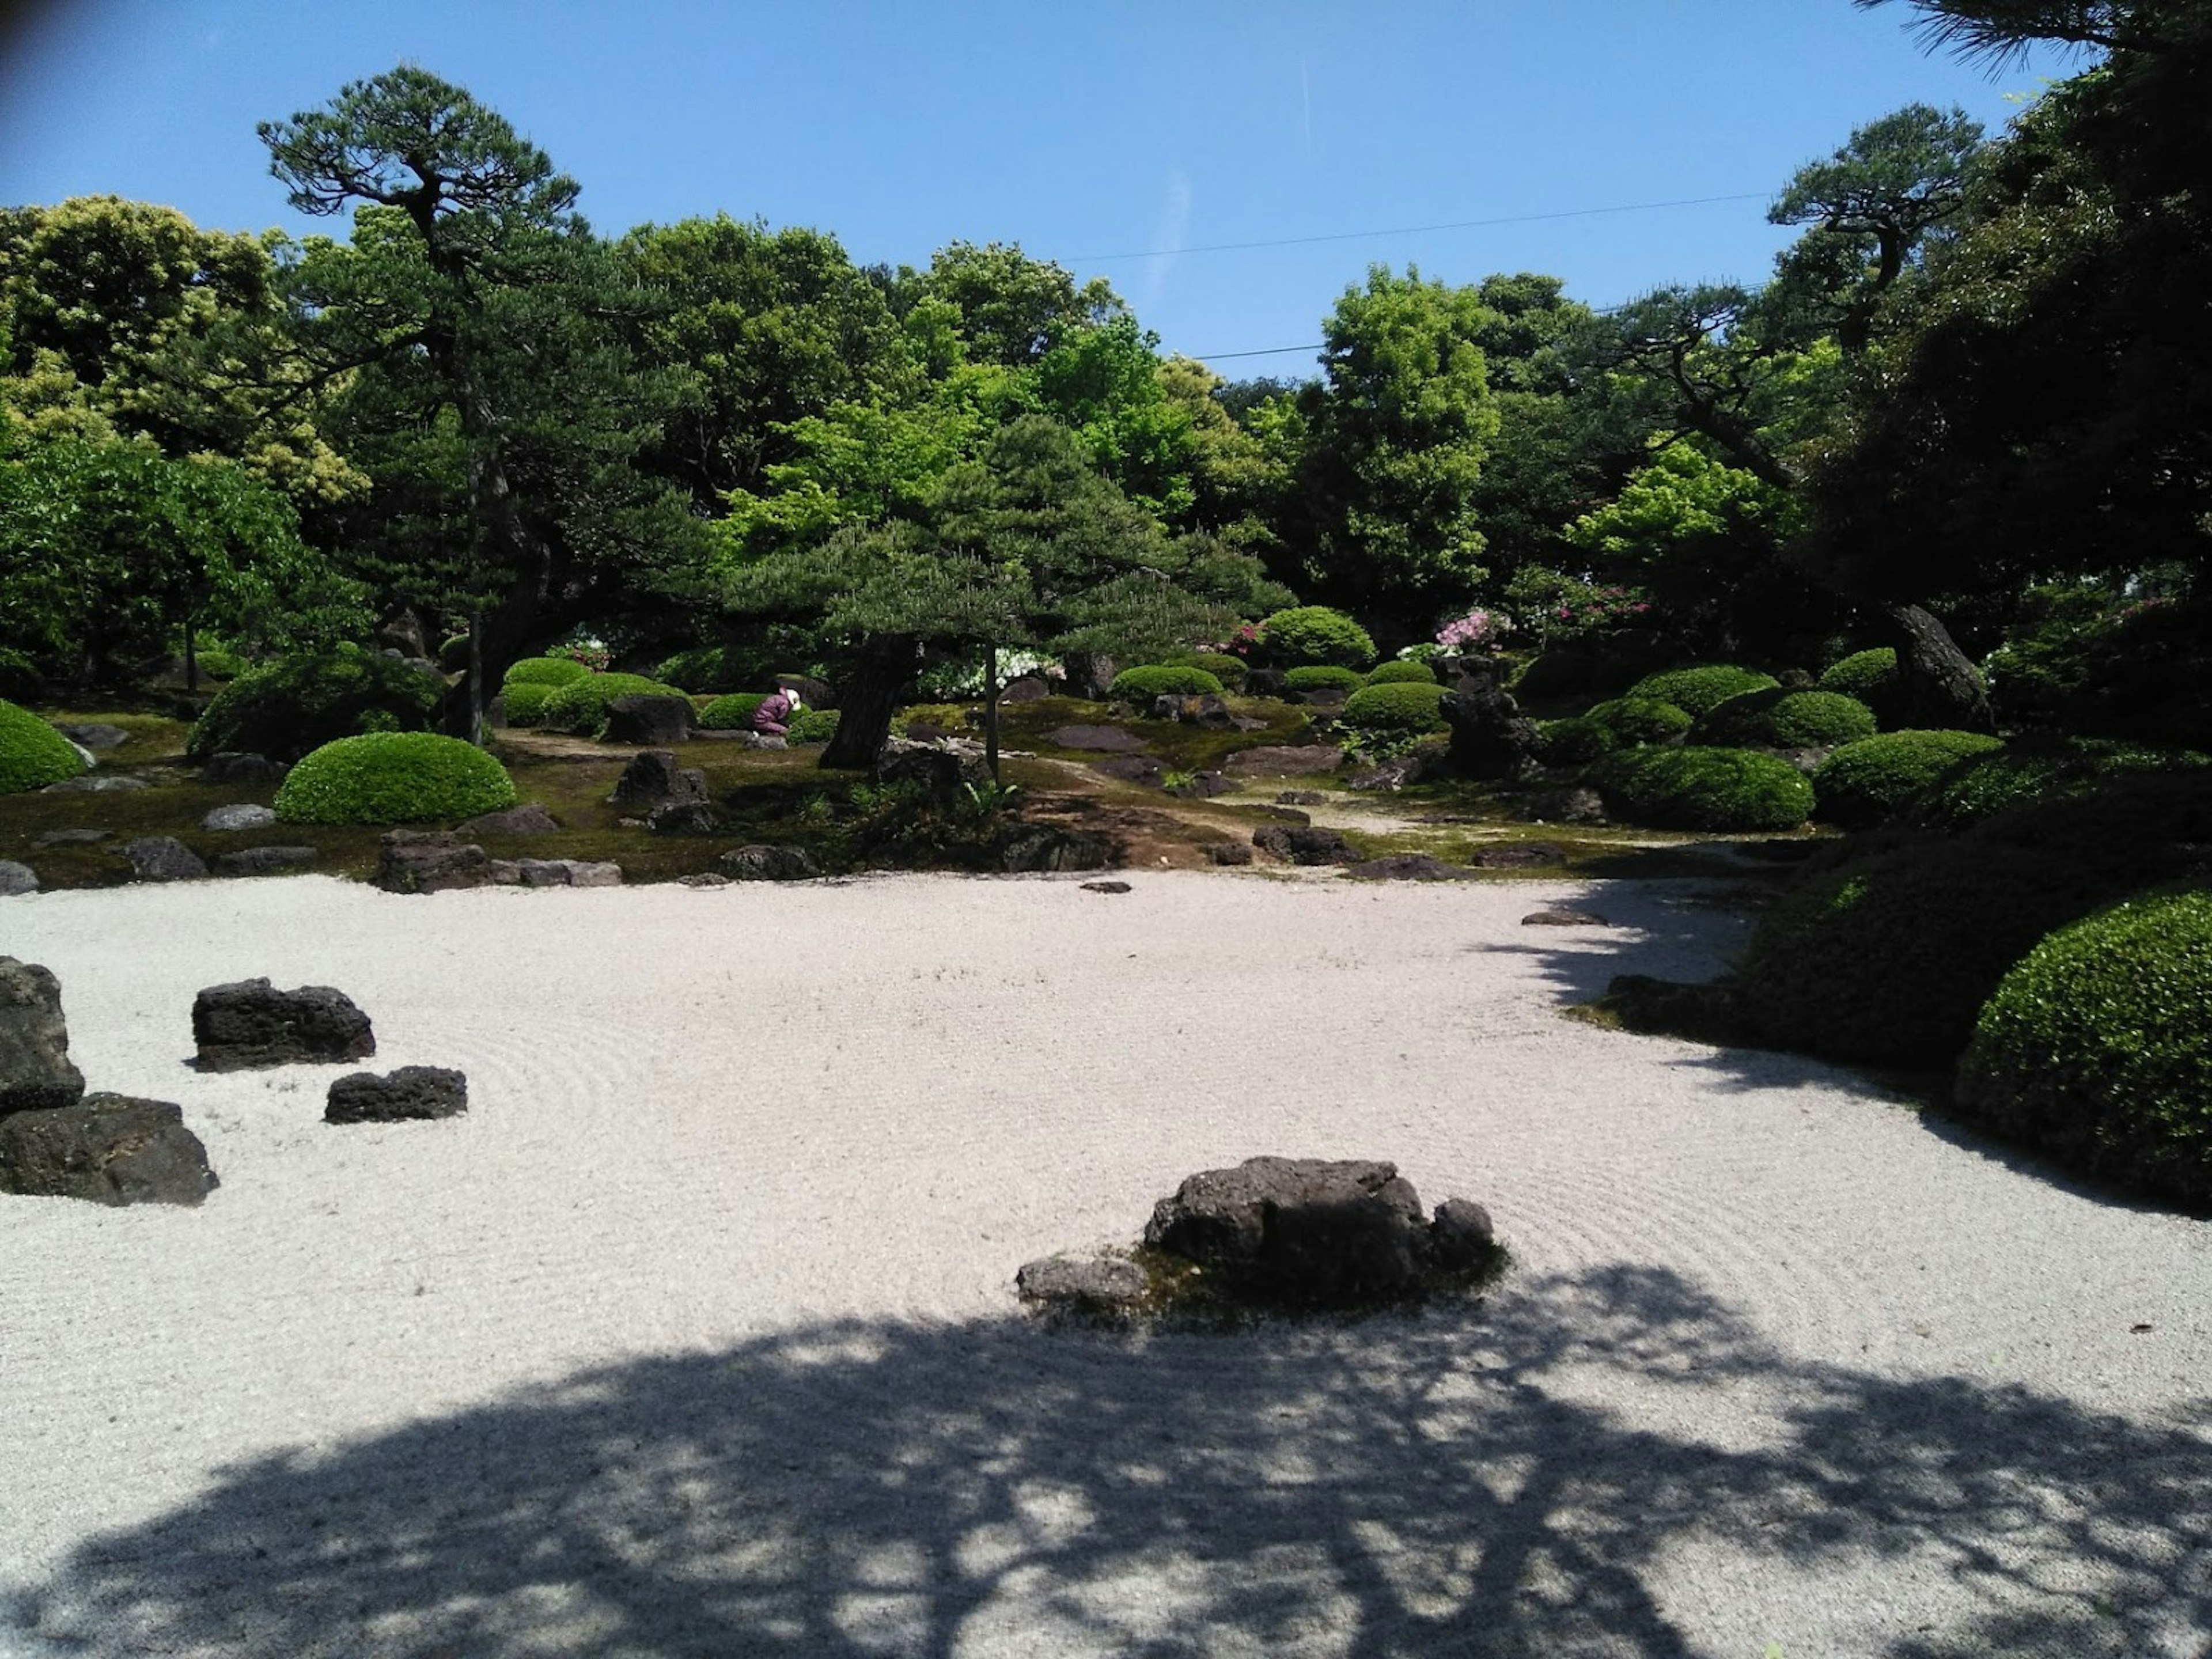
[{"x": 1394, "y": 1487}]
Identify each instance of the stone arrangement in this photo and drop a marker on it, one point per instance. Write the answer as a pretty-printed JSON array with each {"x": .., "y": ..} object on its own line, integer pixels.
[{"x": 250, "y": 1024}]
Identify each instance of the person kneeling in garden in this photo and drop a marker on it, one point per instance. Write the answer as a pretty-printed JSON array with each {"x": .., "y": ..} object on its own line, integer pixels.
[{"x": 773, "y": 718}]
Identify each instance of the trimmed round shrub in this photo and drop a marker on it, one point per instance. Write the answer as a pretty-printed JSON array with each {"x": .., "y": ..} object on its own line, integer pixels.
[
  {"x": 2097, "y": 1046},
  {"x": 1705, "y": 789},
  {"x": 732, "y": 712},
  {"x": 580, "y": 707},
  {"x": 1316, "y": 678},
  {"x": 1698, "y": 691},
  {"x": 1161, "y": 680},
  {"x": 1633, "y": 721},
  {"x": 1885, "y": 961},
  {"x": 1574, "y": 742},
  {"x": 32, "y": 753},
  {"x": 1395, "y": 707},
  {"x": 1782, "y": 718},
  {"x": 1864, "y": 782},
  {"x": 2036, "y": 771},
  {"x": 549, "y": 672},
  {"x": 526, "y": 702},
  {"x": 214, "y": 663},
  {"x": 1870, "y": 676},
  {"x": 393, "y": 777},
  {"x": 1402, "y": 669},
  {"x": 1230, "y": 670},
  {"x": 284, "y": 708},
  {"x": 812, "y": 725},
  {"x": 1316, "y": 633}
]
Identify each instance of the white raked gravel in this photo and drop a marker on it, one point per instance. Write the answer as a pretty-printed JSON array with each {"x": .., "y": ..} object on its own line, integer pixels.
[{"x": 696, "y": 1336}]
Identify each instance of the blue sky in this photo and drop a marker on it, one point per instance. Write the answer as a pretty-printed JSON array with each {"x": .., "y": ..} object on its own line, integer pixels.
[{"x": 1078, "y": 131}]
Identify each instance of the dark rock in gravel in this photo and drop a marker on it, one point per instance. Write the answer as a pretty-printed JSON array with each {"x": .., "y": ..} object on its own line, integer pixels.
[
  {"x": 1105, "y": 886},
  {"x": 702, "y": 878},
  {"x": 649, "y": 717},
  {"x": 1102, "y": 739},
  {"x": 1576, "y": 805},
  {"x": 566, "y": 872},
  {"x": 249, "y": 1024},
  {"x": 1106, "y": 1287},
  {"x": 687, "y": 817},
  {"x": 97, "y": 784},
  {"x": 1299, "y": 1231},
  {"x": 16, "y": 879},
  {"x": 1462, "y": 1236},
  {"x": 1130, "y": 768},
  {"x": 1285, "y": 761},
  {"x": 243, "y": 816},
  {"x": 35, "y": 1071},
  {"x": 408, "y": 1094},
  {"x": 71, "y": 837},
  {"x": 1302, "y": 798},
  {"x": 1301, "y": 844},
  {"x": 1028, "y": 688},
  {"x": 239, "y": 766},
  {"x": 108, "y": 1149},
  {"x": 1523, "y": 855},
  {"x": 766, "y": 863},
  {"x": 162, "y": 858},
  {"x": 95, "y": 735},
  {"x": 430, "y": 861},
  {"x": 530, "y": 818},
  {"x": 1228, "y": 852},
  {"x": 1408, "y": 867},
  {"x": 263, "y": 861},
  {"x": 1050, "y": 847},
  {"x": 1562, "y": 918},
  {"x": 653, "y": 776}
]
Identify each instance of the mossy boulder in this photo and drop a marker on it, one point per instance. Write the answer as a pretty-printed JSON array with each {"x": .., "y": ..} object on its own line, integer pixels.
[
  {"x": 1402, "y": 669},
  {"x": 1781, "y": 719},
  {"x": 1635, "y": 721},
  {"x": 1730, "y": 789},
  {"x": 580, "y": 707},
  {"x": 394, "y": 777},
  {"x": 550, "y": 671},
  {"x": 1699, "y": 690},
  {"x": 2097, "y": 1046},
  {"x": 1309, "y": 634},
  {"x": 284, "y": 708},
  {"x": 1864, "y": 782},
  {"x": 1141, "y": 685},
  {"x": 32, "y": 753},
  {"x": 1396, "y": 708}
]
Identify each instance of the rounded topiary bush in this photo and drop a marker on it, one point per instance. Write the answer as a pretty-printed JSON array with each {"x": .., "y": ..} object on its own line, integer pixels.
[
  {"x": 1704, "y": 789},
  {"x": 1636, "y": 720},
  {"x": 1316, "y": 633},
  {"x": 1162, "y": 680},
  {"x": 733, "y": 712},
  {"x": 1319, "y": 678},
  {"x": 1395, "y": 708},
  {"x": 284, "y": 708},
  {"x": 549, "y": 672},
  {"x": 1406, "y": 670},
  {"x": 393, "y": 777},
  {"x": 1864, "y": 782},
  {"x": 2041, "y": 771},
  {"x": 32, "y": 753},
  {"x": 526, "y": 702},
  {"x": 1698, "y": 691},
  {"x": 1885, "y": 961},
  {"x": 1574, "y": 742},
  {"x": 2097, "y": 1045},
  {"x": 580, "y": 707},
  {"x": 812, "y": 725},
  {"x": 1230, "y": 670},
  {"x": 1870, "y": 676},
  {"x": 1782, "y": 718}
]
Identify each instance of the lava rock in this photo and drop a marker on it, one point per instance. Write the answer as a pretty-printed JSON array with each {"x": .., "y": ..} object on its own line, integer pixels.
[
  {"x": 430, "y": 861},
  {"x": 1229, "y": 853},
  {"x": 1285, "y": 761},
  {"x": 1489, "y": 736},
  {"x": 1576, "y": 805},
  {"x": 108, "y": 1149},
  {"x": 943, "y": 769},
  {"x": 1303, "y": 844},
  {"x": 1204, "y": 786},
  {"x": 35, "y": 1071},
  {"x": 1462, "y": 1238},
  {"x": 702, "y": 878},
  {"x": 95, "y": 786},
  {"x": 1266, "y": 682},
  {"x": 1408, "y": 867},
  {"x": 1395, "y": 774},
  {"x": 652, "y": 777},
  {"x": 649, "y": 717},
  {"x": 1048, "y": 846},
  {"x": 762, "y": 740},
  {"x": 248, "y": 1025},
  {"x": 1562, "y": 918},
  {"x": 241, "y": 766},
  {"x": 1299, "y": 1231},
  {"x": 71, "y": 837},
  {"x": 243, "y": 816},
  {"x": 1204, "y": 709},
  {"x": 1129, "y": 768},
  {"x": 1107, "y": 1287},
  {"x": 566, "y": 872},
  {"x": 1026, "y": 688},
  {"x": 1098, "y": 739},
  {"x": 1302, "y": 798},
  {"x": 410, "y": 1094},
  {"x": 162, "y": 858},
  {"x": 530, "y": 818},
  {"x": 1526, "y": 855},
  {"x": 765, "y": 863},
  {"x": 263, "y": 860},
  {"x": 93, "y": 734},
  {"x": 16, "y": 879},
  {"x": 1105, "y": 886}
]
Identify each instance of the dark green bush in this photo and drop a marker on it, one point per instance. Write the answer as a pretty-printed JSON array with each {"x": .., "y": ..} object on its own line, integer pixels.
[
  {"x": 393, "y": 777},
  {"x": 1396, "y": 707},
  {"x": 32, "y": 753},
  {"x": 1864, "y": 782},
  {"x": 2099, "y": 1046},
  {"x": 581, "y": 707},
  {"x": 733, "y": 712},
  {"x": 1704, "y": 789},
  {"x": 1884, "y": 960},
  {"x": 1316, "y": 633},
  {"x": 1636, "y": 720},
  {"x": 286, "y": 708},
  {"x": 1781, "y": 719},
  {"x": 214, "y": 663},
  {"x": 526, "y": 702},
  {"x": 1405, "y": 669},
  {"x": 1229, "y": 670},
  {"x": 1316, "y": 677},
  {"x": 812, "y": 725},
  {"x": 1558, "y": 674},
  {"x": 1141, "y": 685},
  {"x": 702, "y": 668},
  {"x": 1574, "y": 742},
  {"x": 1698, "y": 691},
  {"x": 551, "y": 672},
  {"x": 2039, "y": 769},
  {"x": 1870, "y": 676}
]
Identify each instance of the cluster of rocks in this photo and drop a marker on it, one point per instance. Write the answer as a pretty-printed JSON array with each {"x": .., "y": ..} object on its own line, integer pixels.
[
  {"x": 1277, "y": 1234},
  {"x": 249, "y": 1025},
  {"x": 440, "y": 861}
]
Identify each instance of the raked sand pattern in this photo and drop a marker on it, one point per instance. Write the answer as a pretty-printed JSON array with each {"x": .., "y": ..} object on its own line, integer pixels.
[{"x": 696, "y": 1336}]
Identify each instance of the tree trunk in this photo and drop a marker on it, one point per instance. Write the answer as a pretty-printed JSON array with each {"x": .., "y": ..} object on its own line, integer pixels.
[
  {"x": 476, "y": 699},
  {"x": 991, "y": 710},
  {"x": 1938, "y": 687},
  {"x": 866, "y": 703},
  {"x": 192, "y": 659}
]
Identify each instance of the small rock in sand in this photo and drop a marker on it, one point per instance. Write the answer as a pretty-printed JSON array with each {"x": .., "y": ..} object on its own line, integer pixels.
[
  {"x": 408, "y": 1094},
  {"x": 243, "y": 815}
]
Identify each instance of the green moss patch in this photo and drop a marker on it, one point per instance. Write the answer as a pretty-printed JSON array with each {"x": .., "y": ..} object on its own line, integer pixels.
[{"x": 32, "y": 753}]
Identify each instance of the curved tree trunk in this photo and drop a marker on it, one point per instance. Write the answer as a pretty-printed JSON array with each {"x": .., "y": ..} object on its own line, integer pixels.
[
  {"x": 867, "y": 701},
  {"x": 1938, "y": 686}
]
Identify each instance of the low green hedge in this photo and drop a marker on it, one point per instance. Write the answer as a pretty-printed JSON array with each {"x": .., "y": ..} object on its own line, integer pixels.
[
  {"x": 580, "y": 707},
  {"x": 32, "y": 753},
  {"x": 1636, "y": 720},
  {"x": 1317, "y": 677},
  {"x": 1395, "y": 707},
  {"x": 2097, "y": 1046},
  {"x": 393, "y": 777},
  {"x": 1864, "y": 782},
  {"x": 1781, "y": 719},
  {"x": 1162, "y": 680},
  {"x": 1698, "y": 691},
  {"x": 284, "y": 708},
  {"x": 812, "y": 725},
  {"x": 732, "y": 712},
  {"x": 1884, "y": 961},
  {"x": 1574, "y": 742},
  {"x": 1230, "y": 670},
  {"x": 2026, "y": 773},
  {"x": 1704, "y": 789},
  {"x": 526, "y": 702},
  {"x": 1408, "y": 669},
  {"x": 551, "y": 672},
  {"x": 1316, "y": 633}
]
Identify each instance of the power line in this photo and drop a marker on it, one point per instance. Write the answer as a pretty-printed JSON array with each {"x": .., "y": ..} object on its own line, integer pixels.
[{"x": 1419, "y": 230}]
